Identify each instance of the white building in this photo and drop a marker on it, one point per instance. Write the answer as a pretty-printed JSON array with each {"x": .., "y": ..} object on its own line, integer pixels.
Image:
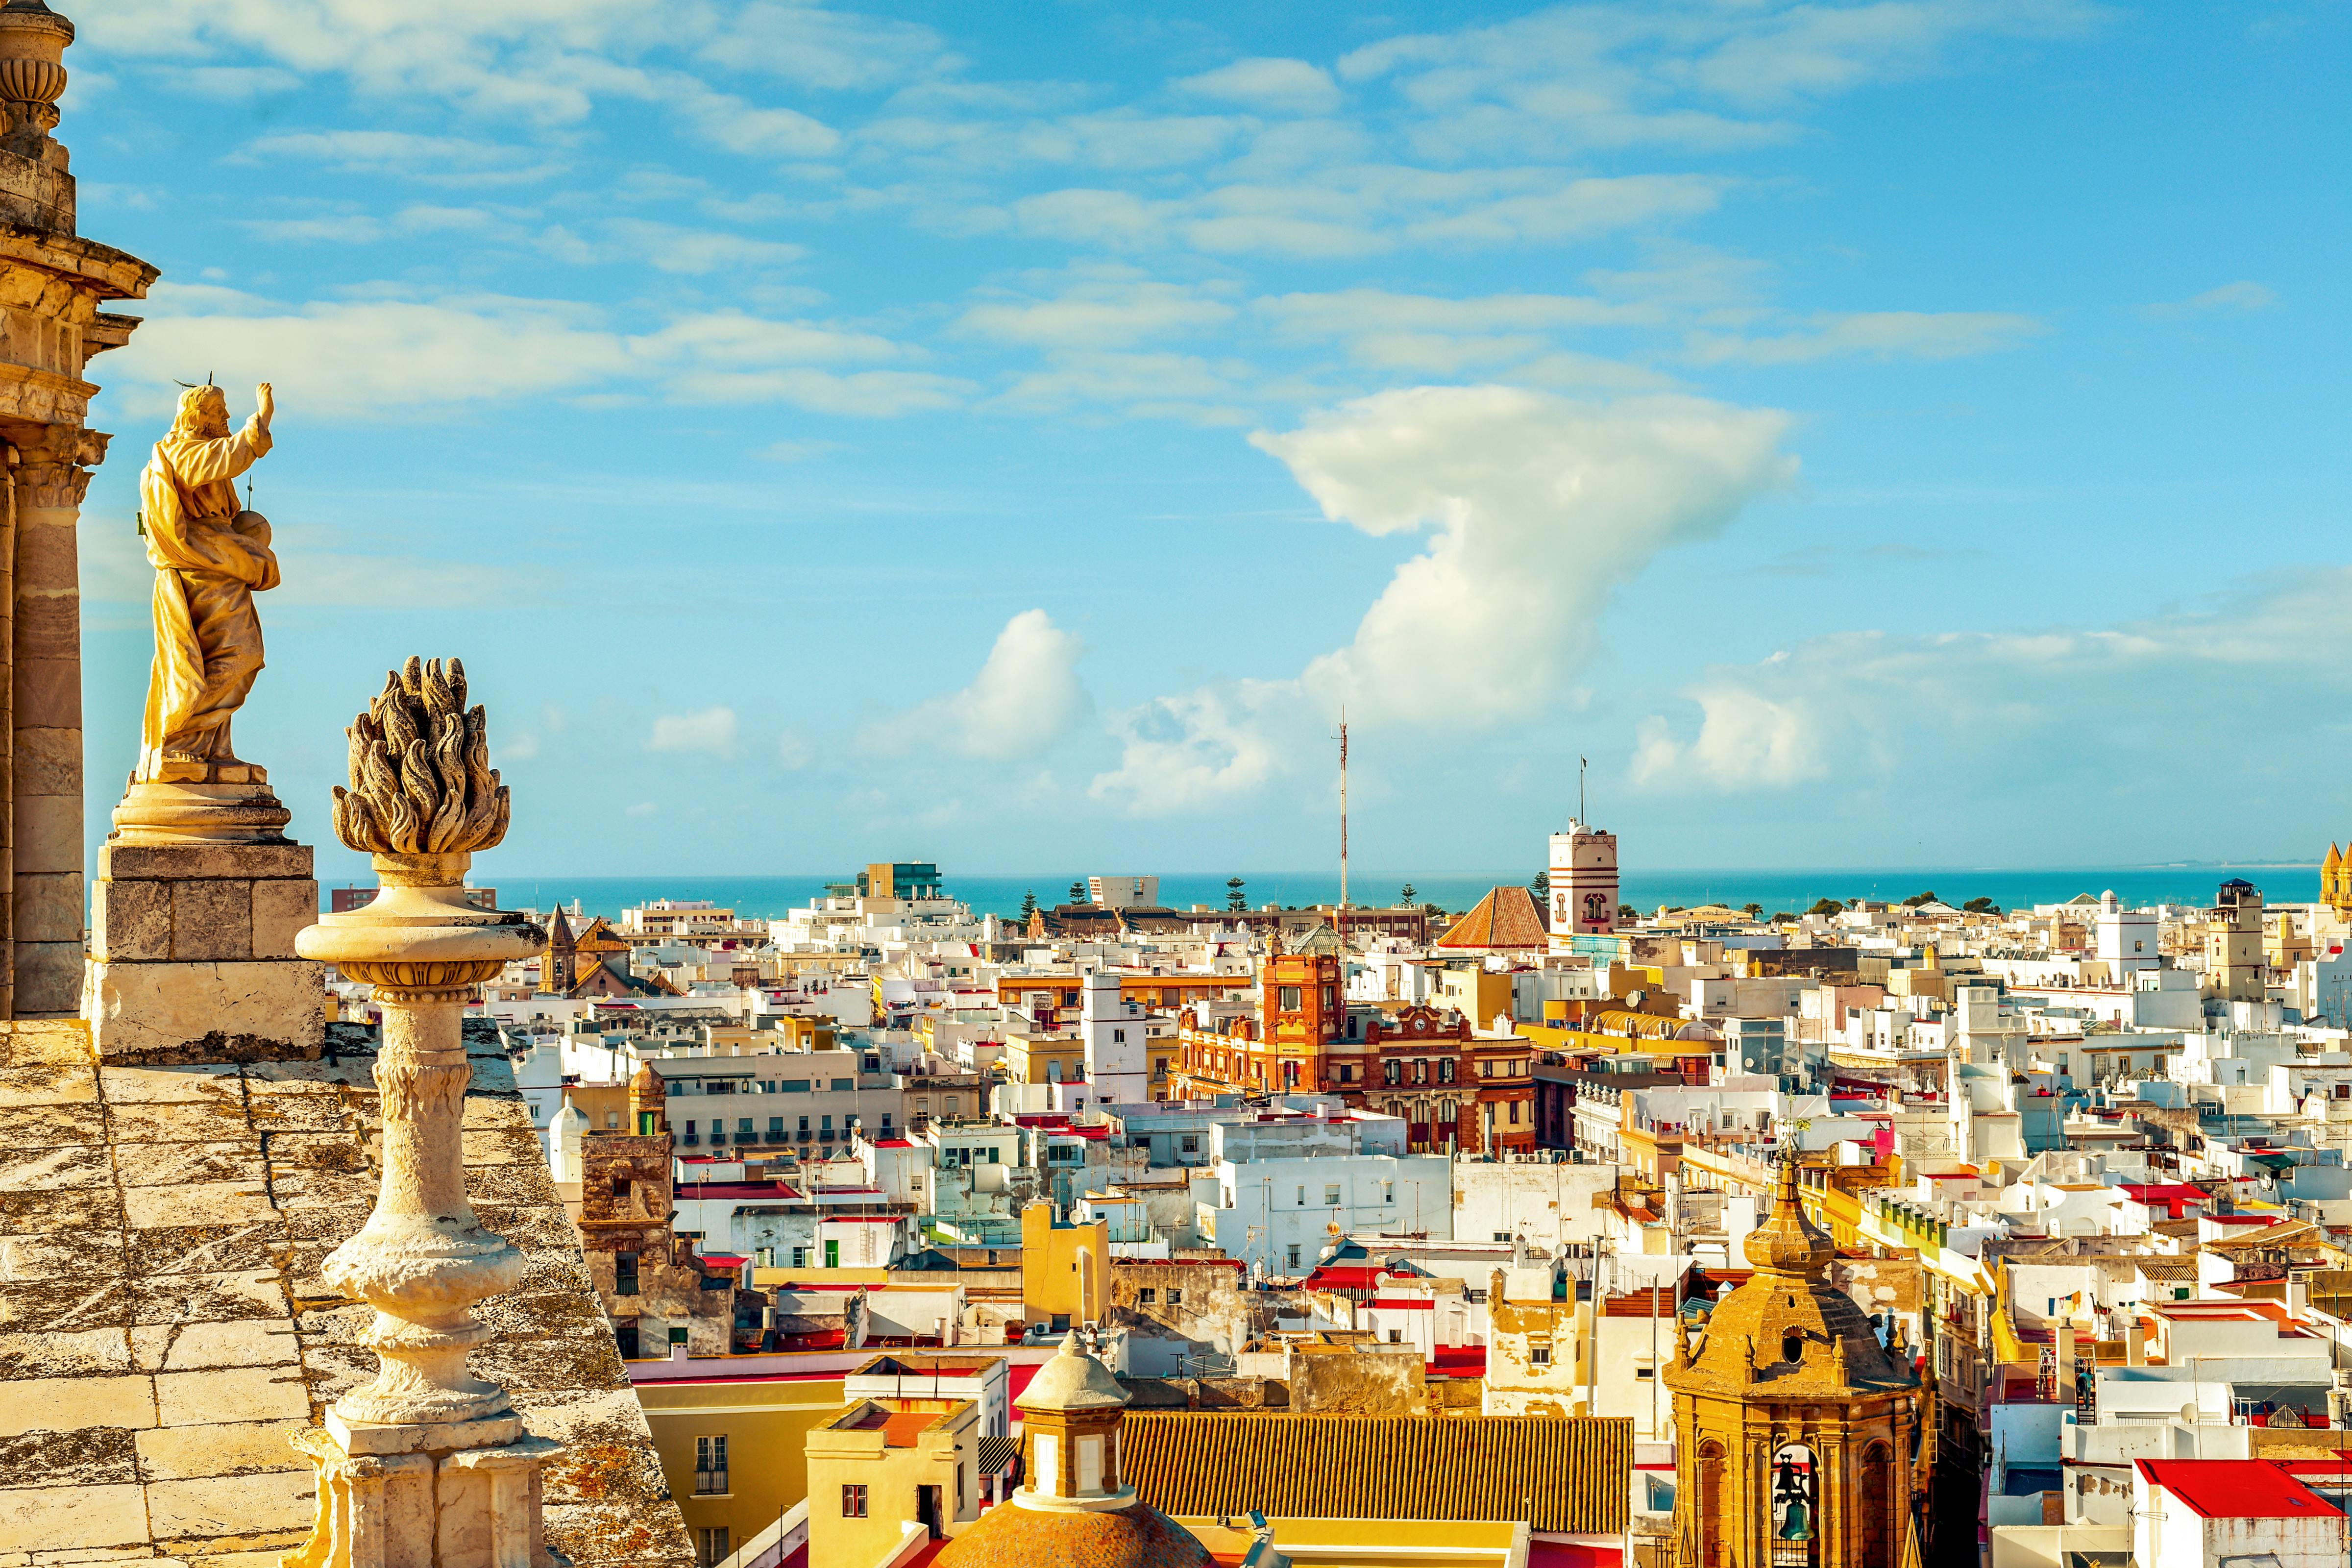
[{"x": 1124, "y": 892}]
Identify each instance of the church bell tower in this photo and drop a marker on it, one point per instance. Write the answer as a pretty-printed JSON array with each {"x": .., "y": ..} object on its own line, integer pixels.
[{"x": 1797, "y": 1433}]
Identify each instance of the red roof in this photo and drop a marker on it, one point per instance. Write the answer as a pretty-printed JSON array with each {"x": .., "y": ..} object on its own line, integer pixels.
[
  {"x": 2237, "y": 1489},
  {"x": 723, "y": 1259},
  {"x": 893, "y": 1143},
  {"x": 773, "y": 1191}
]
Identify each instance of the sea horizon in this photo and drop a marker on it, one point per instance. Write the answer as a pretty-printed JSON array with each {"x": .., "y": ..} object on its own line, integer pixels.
[{"x": 1777, "y": 890}]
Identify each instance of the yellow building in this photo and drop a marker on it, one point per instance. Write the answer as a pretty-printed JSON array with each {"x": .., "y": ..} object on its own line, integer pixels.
[
  {"x": 1043, "y": 1059},
  {"x": 1794, "y": 1429},
  {"x": 883, "y": 1472},
  {"x": 1054, "y": 1290},
  {"x": 732, "y": 1452}
]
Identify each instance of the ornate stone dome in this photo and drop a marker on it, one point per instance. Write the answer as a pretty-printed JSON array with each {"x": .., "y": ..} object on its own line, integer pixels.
[{"x": 1788, "y": 1332}]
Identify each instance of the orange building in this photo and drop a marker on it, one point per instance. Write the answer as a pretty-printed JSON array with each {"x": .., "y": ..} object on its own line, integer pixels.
[{"x": 1455, "y": 1090}]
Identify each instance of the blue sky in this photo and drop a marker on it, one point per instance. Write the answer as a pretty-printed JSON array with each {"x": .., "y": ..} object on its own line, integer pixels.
[{"x": 1898, "y": 433}]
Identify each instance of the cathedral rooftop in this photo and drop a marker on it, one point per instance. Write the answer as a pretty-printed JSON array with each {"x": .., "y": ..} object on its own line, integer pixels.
[{"x": 164, "y": 1330}]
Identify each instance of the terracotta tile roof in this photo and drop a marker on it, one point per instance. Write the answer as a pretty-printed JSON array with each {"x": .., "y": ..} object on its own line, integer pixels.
[
  {"x": 1505, "y": 918},
  {"x": 1570, "y": 1474}
]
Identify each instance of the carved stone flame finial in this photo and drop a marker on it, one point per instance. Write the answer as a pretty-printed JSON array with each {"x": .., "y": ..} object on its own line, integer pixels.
[{"x": 421, "y": 782}]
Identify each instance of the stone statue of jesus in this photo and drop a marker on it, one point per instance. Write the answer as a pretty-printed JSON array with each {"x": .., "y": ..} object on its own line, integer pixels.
[{"x": 211, "y": 556}]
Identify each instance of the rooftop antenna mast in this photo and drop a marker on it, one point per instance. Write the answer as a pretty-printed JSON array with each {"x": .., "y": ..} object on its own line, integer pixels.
[
  {"x": 1343, "y": 817},
  {"x": 1580, "y": 792}
]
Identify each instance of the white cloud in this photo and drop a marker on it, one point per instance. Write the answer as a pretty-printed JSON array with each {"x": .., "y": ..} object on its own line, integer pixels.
[
  {"x": 1114, "y": 309},
  {"x": 835, "y": 50},
  {"x": 1872, "y": 708},
  {"x": 2241, "y": 296},
  {"x": 710, "y": 731},
  {"x": 1704, "y": 77},
  {"x": 1275, "y": 86},
  {"x": 794, "y": 751},
  {"x": 1882, "y": 334},
  {"x": 1338, "y": 213},
  {"x": 368, "y": 356},
  {"x": 1026, "y": 697},
  {"x": 1539, "y": 508},
  {"x": 1203, "y": 749},
  {"x": 433, "y": 160}
]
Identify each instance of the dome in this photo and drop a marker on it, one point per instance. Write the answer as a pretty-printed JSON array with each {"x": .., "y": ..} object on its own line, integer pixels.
[
  {"x": 1012, "y": 1536},
  {"x": 1070, "y": 1381},
  {"x": 1788, "y": 1332}
]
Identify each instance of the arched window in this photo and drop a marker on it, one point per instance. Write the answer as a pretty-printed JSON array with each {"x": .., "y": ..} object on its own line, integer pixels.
[
  {"x": 1881, "y": 1523},
  {"x": 1792, "y": 1484},
  {"x": 1710, "y": 1503}
]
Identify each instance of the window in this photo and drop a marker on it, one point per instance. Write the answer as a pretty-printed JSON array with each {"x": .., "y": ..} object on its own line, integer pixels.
[
  {"x": 853, "y": 1502},
  {"x": 1293, "y": 1251},
  {"x": 793, "y": 1086},
  {"x": 624, "y": 1274},
  {"x": 1118, "y": 1037},
  {"x": 804, "y": 1127},
  {"x": 1175, "y": 1297},
  {"x": 1289, "y": 999},
  {"x": 712, "y": 1546},
  {"x": 1302, "y": 1195},
  {"x": 1330, "y": 1195},
  {"x": 1420, "y": 1069},
  {"x": 1396, "y": 1336},
  {"x": 711, "y": 1466},
  {"x": 844, "y": 1083},
  {"x": 1388, "y": 1191},
  {"x": 742, "y": 1128},
  {"x": 775, "y": 1128},
  {"x": 677, "y": 1336},
  {"x": 799, "y": 1257},
  {"x": 1146, "y": 1297},
  {"x": 1539, "y": 1355},
  {"x": 1515, "y": 1113},
  {"x": 767, "y": 1258},
  {"x": 1392, "y": 1071}
]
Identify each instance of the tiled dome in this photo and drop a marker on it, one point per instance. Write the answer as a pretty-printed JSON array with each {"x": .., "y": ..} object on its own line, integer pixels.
[{"x": 1012, "y": 1536}]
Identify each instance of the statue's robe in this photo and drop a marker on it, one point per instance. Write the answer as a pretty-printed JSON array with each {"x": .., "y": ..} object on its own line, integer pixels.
[{"x": 210, "y": 559}]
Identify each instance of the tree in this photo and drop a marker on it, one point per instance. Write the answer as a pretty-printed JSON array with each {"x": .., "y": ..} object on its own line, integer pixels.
[
  {"x": 1825, "y": 907},
  {"x": 1753, "y": 912},
  {"x": 1541, "y": 885},
  {"x": 1028, "y": 903},
  {"x": 1628, "y": 912},
  {"x": 1233, "y": 899},
  {"x": 1405, "y": 896},
  {"x": 1078, "y": 892},
  {"x": 1779, "y": 915},
  {"x": 1981, "y": 907},
  {"x": 1916, "y": 899}
]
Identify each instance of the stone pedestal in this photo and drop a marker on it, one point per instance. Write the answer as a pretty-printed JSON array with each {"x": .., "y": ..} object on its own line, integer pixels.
[
  {"x": 192, "y": 919},
  {"x": 456, "y": 1492}
]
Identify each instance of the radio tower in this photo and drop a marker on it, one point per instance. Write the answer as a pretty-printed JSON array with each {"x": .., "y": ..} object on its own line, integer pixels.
[{"x": 1343, "y": 820}]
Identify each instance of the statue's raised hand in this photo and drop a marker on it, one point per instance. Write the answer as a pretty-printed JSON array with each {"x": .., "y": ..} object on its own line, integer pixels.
[{"x": 265, "y": 403}]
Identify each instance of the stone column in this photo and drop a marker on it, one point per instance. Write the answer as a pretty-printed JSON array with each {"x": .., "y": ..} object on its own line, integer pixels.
[
  {"x": 44, "y": 727},
  {"x": 427, "y": 1455}
]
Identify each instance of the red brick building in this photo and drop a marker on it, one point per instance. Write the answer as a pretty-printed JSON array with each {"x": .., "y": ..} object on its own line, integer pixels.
[{"x": 1456, "y": 1091}]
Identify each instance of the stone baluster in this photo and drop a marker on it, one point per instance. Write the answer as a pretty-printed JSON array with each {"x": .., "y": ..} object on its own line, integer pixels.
[{"x": 427, "y": 1454}]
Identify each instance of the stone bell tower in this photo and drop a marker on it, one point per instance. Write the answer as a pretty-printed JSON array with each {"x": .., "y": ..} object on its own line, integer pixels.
[
  {"x": 1796, "y": 1433},
  {"x": 53, "y": 287}
]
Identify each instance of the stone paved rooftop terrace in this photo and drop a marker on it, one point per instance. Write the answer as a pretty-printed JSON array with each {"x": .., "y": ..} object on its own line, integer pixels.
[{"x": 164, "y": 1330}]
